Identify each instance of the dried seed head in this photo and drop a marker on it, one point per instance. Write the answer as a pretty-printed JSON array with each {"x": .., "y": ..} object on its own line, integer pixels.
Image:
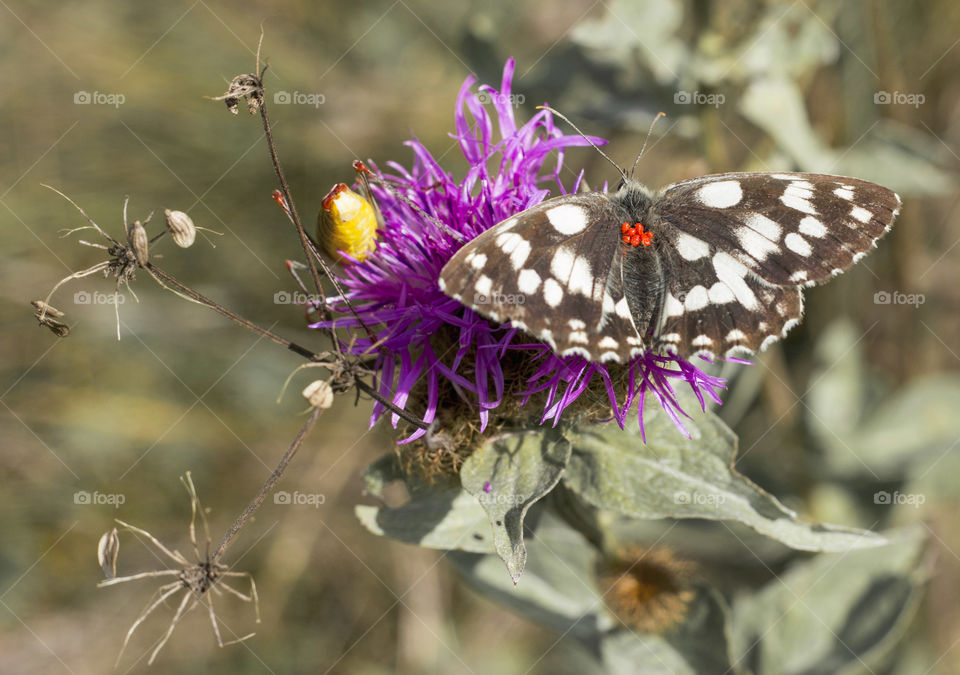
[
  {"x": 650, "y": 590},
  {"x": 138, "y": 241},
  {"x": 247, "y": 87},
  {"x": 107, "y": 551},
  {"x": 319, "y": 393},
  {"x": 47, "y": 315},
  {"x": 47, "y": 309},
  {"x": 181, "y": 227}
]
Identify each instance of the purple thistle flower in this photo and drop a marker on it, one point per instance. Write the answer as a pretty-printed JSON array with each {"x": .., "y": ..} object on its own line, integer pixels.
[{"x": 394, "y": 291}]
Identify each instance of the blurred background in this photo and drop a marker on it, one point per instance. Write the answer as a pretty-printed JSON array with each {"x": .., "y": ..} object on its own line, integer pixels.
[{"x": 106, "y": 99}]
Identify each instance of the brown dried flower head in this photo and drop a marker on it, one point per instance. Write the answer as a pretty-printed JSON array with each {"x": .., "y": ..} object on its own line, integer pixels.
[
  {"x": 649, "y": 590},
  {"x": 244, "y": 86}
]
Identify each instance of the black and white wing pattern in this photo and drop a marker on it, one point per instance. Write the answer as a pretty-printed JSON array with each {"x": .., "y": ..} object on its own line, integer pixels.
[
  {"x": 713, "y": 265},
  {"x": 554, "y": 271},
  {"x": 742, "y": 245}
]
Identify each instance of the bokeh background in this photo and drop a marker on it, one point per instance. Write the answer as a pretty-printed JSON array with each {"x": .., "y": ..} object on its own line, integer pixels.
[{"x": 861, "y": 399}]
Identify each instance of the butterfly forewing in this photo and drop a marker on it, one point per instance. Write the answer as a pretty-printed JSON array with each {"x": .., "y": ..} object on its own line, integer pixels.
[
  {"x": 555, "y": 271},
  {"x": 790, "y": 229}
]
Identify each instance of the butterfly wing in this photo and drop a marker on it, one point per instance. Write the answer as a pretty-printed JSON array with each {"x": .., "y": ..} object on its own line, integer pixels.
[
  {"x": 738, "y": 247},
  {"x": 555, "y": 271}
]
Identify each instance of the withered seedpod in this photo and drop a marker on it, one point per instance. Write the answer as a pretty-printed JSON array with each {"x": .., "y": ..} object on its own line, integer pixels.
[
  {"x": 107, "y": 551},
  {"x": 319, "y": 393},
  {"x": 138, "y": 241},
  {"x": 181, "y": 227},
  {"x": 46, "y": 309}
]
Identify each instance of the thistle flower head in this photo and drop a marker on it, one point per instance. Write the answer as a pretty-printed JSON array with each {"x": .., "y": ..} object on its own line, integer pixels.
[{"x": 433, "y": 349}]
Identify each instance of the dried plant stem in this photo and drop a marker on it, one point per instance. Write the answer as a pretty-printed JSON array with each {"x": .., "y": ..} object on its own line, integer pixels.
[
  {"x": 233, "y": 316},
  {"x": 273, "y": 337},
  {"x": 309, "y": 249},
  {"x": 268, "y": 485}
]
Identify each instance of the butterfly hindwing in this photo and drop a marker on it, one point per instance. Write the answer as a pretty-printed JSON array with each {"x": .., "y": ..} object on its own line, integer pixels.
[{"x": 716, "y": 305}]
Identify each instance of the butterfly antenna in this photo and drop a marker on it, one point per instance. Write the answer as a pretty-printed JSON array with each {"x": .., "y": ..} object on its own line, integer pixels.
[
  {"x": 622, "y": 173},
  {"x": 646, "y": 140}
]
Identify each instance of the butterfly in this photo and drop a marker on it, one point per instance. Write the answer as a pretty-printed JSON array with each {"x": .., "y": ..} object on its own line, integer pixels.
[{"x": 711, "y": 266}]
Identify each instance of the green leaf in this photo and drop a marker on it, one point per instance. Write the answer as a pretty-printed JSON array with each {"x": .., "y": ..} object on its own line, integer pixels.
[
  {"x": 381, "y": 473},
  {"x": 915, "y": 425},
  {"x": 448, "y": 520},
  {"x": 836, "y": 396},
  {"x": 831, "y": 614},
  {"x": 508, "y": 475},
  {"x": 558, "y": 588},
  {"x": 776, "y": 105},
  {"x": 442, "y": 518},
  {"x": 675, "y": 477},
  {"x": 612, "y": 38}
]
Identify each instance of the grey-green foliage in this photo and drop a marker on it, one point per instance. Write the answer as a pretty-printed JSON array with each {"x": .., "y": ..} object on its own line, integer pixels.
[
  {"x": 675, "y": 477},
  {"x": 851, "y": 604},
  {"x": 762, "y": 70},
  {"x": 508, "y": 475},
  {"x": 559, "y": 590},
  {"x": 670, "y": 476},
  {"x": 837, "y": 613},
  {"x": 447, "y": 519},
  {"x": 900, "y": 436}
]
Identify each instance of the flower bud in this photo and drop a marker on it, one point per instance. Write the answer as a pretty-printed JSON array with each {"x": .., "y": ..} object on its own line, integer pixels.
[
  {"x": 347, "y": 222},
  {"x": 107, "y": 551},
  {"x": 181, "y": 227},
  {"x": 138, "y": 241},
  {"x": 319, "y": 394}
]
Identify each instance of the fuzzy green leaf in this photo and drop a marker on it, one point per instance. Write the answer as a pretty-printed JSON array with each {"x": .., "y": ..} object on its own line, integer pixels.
[
  {"x": 381, "y": 473},
  {"x": 558, "y": 589},
  {"x": 916, "y": 425},
  {"x": 833, "y": 613},
  {"x": 509, "y": 474},
  {"x": 675, "y": 477},
  {"x": 448, "y": 520}
]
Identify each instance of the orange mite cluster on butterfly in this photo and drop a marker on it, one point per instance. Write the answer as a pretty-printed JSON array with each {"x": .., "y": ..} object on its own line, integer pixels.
[{"x": 634, "y": 235}]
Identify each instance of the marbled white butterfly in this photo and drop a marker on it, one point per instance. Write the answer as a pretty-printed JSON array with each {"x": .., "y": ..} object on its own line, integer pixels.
[{"x": 714, "y": 265}]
